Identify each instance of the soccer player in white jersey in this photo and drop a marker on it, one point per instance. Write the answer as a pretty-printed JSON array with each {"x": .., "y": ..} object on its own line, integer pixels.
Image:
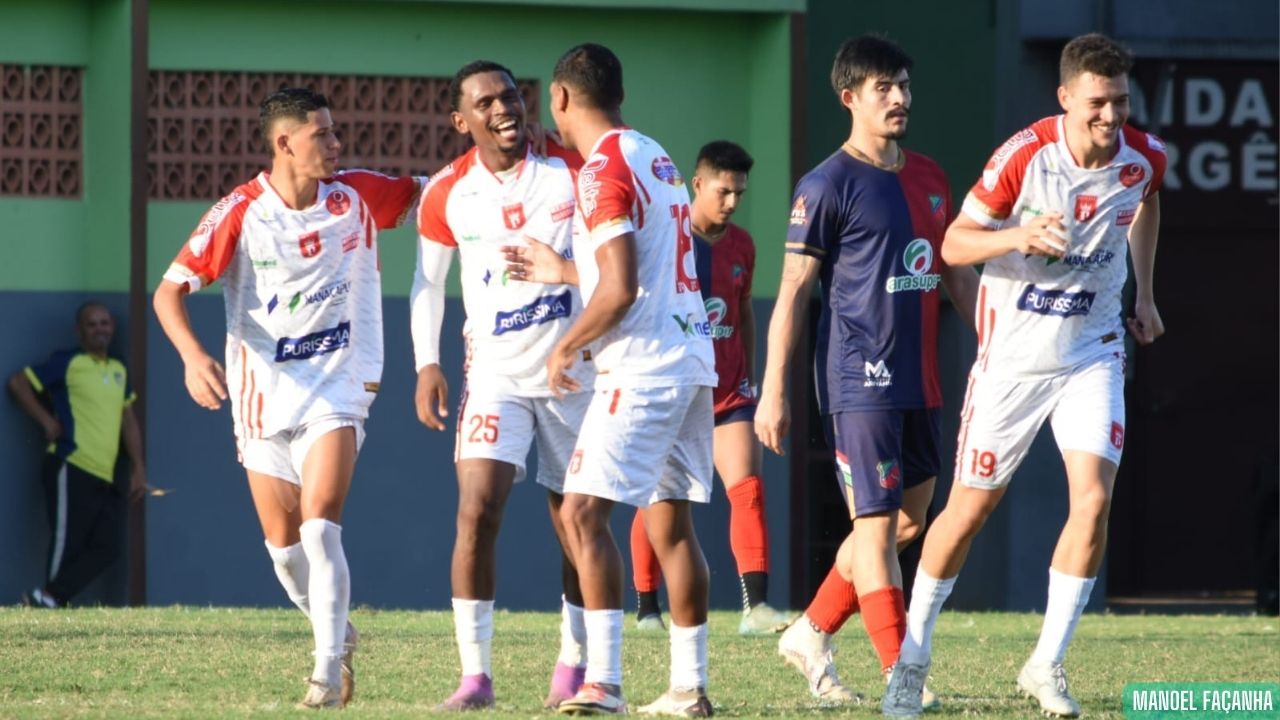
[
  {"x": 1058, "y": 208},
  {"x": 490, "y": 197},
  {"x": 296, "y": 250},
  {"x": 646, "y": 439}
]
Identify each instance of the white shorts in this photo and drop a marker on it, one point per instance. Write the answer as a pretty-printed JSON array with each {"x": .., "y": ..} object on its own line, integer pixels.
[
  {"x": 496, "y": 425},
  {"x": 1000, "y": 418},
  {"x": 281, "y": 455},
  {"x": 642, "y": 445}
]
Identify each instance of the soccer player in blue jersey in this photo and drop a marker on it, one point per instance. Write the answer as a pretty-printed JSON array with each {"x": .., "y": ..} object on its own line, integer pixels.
[{"x": 867, "y": 222}]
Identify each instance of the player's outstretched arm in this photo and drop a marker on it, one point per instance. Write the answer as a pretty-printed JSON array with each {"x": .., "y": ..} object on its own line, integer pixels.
[
  {"x": 426, "y": 315},
  {"x": 1145, "y": 325},
  {"x": 614, "y": 295},
  {"x": 539, "y": 262},
  {"x": 969, "y": 243},
  {"x": 206, "y": 380},
  {"x": 773, "y": 412}
]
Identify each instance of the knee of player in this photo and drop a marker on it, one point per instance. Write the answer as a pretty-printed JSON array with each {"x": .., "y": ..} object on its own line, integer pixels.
[
  {"x": 580, "y": 516},
  {"x": 909, "y": 528},
  {"x": 1092, "y": 505},
  {"x": 479, "y": 516}
]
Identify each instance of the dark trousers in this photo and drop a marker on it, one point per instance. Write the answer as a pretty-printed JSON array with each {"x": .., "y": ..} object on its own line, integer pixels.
[{"x": 85, "y": 517}]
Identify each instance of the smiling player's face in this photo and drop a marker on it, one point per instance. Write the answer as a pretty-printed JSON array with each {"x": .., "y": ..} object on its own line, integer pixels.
[{"x": 492, "y": 111}]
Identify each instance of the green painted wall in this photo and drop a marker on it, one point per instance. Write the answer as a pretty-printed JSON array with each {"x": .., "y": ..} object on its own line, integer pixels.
[
  {"x": 106, "y": 148},
  {"x": 685, "y": 77},
  {"x": 953, "y": 96}
]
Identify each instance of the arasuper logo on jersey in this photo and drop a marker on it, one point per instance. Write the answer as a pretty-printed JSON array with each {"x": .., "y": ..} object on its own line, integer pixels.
[
  {"x": 917, "y": 258},
  {"x": 717, "y": 311},
  {"x": 545, "y": 308}
]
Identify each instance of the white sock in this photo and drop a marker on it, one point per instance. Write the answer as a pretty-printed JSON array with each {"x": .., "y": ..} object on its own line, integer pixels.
[
  {"x": 604, "y": 646},
  {"x": 329, "y": 588},
  {"x": 688, "y": 656},
  {"x": 473, "y": 629},
  {"x": 573, "y": 635},
  {"x": 293, "y": 570},
  {"x": 1067, "y": 597},
  {"x": 927, "y": 597}
]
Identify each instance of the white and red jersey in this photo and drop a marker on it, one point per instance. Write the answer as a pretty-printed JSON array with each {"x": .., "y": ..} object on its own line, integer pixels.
[
  {"x": 629, "y": 185},
  {"x": 303, "y": 295},
  {"x": 511, "y": 326},
  {"x": 1041, "y": 316}
]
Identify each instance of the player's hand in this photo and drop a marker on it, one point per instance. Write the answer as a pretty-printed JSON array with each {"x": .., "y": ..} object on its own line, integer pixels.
[
  {"x": 560, "y": 360},
  {"x": 1045, "y": 235},
  {"x": 52, "y": 429},
  {"x": 1145, "y": 325},
  {"x": 537, "y": 137},
  {"x": 536, "y": 262},
  {"x": 206, "y": 381},
  {"x": 432, "y": 397},
  {"x": 773, "y": 419},
  {"x": 137, "y": 484}
]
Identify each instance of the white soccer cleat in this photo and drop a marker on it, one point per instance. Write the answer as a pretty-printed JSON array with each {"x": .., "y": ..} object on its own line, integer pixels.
[
  {"x": 320, "y": 696},
  {"x": 651, "y": 623},
  {"x": 1047, "y": 684},
  {"x": 763, "y": 619},
  {"x": 680, "y": 702},
  {"x": 904, "y": 696},
  {"x": 349, "y": 644},
  {"x": 810, "y": 652}
]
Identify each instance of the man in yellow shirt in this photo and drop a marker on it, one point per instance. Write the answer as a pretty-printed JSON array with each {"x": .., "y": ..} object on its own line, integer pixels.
[{"x": 82, "y": 400}]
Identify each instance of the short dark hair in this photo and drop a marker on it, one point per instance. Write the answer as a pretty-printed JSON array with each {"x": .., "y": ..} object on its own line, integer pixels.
[
  {"x": 472, "y": 68},
  {"x": 1093, "y": 53},
  {"x": 724, "y": 156},
  {"x": 86, "y": 305},
  {"x": 864, "y": 57},
  {"x": 289, "y": 102},
  {"x": 595, "y": 72}
]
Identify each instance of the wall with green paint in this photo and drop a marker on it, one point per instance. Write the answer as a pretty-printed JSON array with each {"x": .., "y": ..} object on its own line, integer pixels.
[{"x": 688, "y": 78}]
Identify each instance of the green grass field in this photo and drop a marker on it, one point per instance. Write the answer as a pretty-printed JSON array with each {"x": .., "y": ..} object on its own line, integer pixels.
[{"x": 197, "y": 662}]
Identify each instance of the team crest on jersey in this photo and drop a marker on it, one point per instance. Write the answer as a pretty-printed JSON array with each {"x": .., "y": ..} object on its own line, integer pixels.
[
  {"x": 1117, "y": 435},
  {"x": 513, "y": 216},
  {"x": 890, "y": 475},
  {"x": 1086, "y": 206},
  {"x": 666, "y": 171},
  {"x": 935, "y": 204},
  {"x": 1132, "y": 174},
  {"x": 338, "y": 203},
  {"x": 799, "y": 216},
  {"x": 309, "y": 244}
]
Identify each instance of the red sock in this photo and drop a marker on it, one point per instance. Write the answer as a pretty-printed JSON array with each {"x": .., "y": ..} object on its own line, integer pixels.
[
  {"x": 885, "y": 618},
  {"x": 748, "y": 533},
  {"x": 645, "y": 570},
  {"x": 835, "y": 602}
]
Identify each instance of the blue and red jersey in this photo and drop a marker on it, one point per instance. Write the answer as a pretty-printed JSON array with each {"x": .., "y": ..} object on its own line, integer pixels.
[
  {"x": 725, "y": 270},
  {"x": 878, "y": 235}
]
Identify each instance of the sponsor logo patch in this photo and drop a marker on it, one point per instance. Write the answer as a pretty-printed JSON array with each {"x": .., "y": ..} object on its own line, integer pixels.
[
  {"x": 917, "y": 258},
  {"x": 877, "y": 375},
  {"x": 1056, "y": 303},
  {"x": 337, "y": 203},
  {"x": 799, "y": 216},
  {"x": 693, "y": 328},
  {"x": 350, "y": 242},
  {"x": 1125, "y": 216},
  {"x": 199, "y": 239},
  {"x": 717, "y": 311},
  {"x": 545, "y": 308},
  {"x": 588, "y": 186},
  {"x": 333, "y": 291},
  {"x": 666, "y": 171},
  {"x": 991, "y": 173},
  {"x": 1132, "y": 174},
  {"x": 563, "y": 211},
  {"x": 1117, "y": 435},
  {"x": 315, "y": 344},
  {"x": 1095, "y": 260}
]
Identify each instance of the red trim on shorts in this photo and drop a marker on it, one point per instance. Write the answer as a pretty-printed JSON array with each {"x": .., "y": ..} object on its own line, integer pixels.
[{"x": 613, "y": 405}]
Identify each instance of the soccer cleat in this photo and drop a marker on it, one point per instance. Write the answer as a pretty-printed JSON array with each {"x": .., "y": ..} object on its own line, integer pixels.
[
  {"x": 680, "y": 702},
  {"x": 928, "y": 700},
  {"x": 595, "y": 699},
  {"x": 565, "y": 682},
  {"x": 1047, "y": 683},
  {"x": 764, "y": 620},
  {"x": 38, "y": 598},
  {"x": 904, "y": 696},
  {"x": 320, "y": 696},
  {"x": 348, "y": 668},
  {"x": 651, "y": 623},
  {"x": 809, "y": 651},
  {"x": 475, "y": 692}
]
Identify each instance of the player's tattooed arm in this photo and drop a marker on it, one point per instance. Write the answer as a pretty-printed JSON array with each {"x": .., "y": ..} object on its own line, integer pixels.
[{"x": 773, "y": 412}]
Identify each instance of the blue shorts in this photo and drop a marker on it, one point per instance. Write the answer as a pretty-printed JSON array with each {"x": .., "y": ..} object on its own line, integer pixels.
[
  {"x": 742, "y": 413},
  {"x": 879, "y": 453}
]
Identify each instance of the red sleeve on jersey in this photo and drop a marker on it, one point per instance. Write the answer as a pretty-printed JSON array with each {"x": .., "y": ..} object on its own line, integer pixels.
[
  {"x": 605, "y": 188},
  {"x": 432, "y": 223},
  {"x": 571, "y": 158},
  {"x": 209, "y": 250},
  {"x": 390, "y": 198},
  {"x": 1152, "y": 148},
  {"x": 749, "y": 264},
  {"x": 1001, "y": 181}
]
